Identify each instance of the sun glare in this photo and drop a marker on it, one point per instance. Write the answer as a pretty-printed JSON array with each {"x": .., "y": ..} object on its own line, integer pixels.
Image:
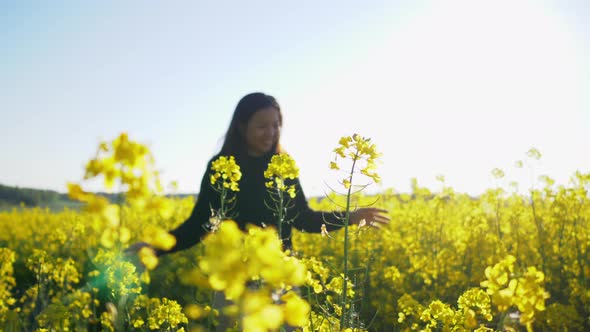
[{"x": 461, "y": 88}]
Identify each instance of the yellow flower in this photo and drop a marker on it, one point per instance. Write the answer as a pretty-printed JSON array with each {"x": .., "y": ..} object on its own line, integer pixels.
[
  {"x": 281, "y": 168},
  {"x": 194, "y": 311},
  {"x": 346, "y": 183},
  {"x": 111, "y": 215},
  {"x": 122, "y": 279},
  {"x": 533, "y": 153},
  {"x": 159, "y": 238},
  {"x": 168, "y": 312},
  {"x": 291, "y": 191},
  {"x": 228, "y": 171},
  {"x": 296, "y": 309},
  {"x": 148, "y": 258},
  {"x": 345, "y": 141},
  {"x": 357, "y": 149},
  {"x": 108, "y": 238},
  {"x": 497, "y": 173},
  {"x": 340, "y": 151},
  {"x": 260, "y": 314}
]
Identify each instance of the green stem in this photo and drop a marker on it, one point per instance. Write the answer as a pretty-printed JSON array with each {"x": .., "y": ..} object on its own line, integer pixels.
[
  {"x": 222, "y": 207},
  {"x": 498, "y": 229},
  {"x": 281, "y": 216},
  {"x": 343, "y": 300},
  {"x": 501, "y": 320},
  {"x": 310, "y": 311}
]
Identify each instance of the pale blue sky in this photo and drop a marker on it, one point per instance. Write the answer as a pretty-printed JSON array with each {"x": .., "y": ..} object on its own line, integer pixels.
[{"x": 443, "y": 87}]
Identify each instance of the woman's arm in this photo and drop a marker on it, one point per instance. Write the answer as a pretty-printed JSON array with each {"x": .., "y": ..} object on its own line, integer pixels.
[{"x": 306, "y": 219}]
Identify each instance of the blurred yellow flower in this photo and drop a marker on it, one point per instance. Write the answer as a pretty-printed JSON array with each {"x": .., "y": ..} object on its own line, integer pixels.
[
  {"x": 296, "y": 309},
  {"x": 159, "y": 238},
  {"x": 148, "y": 258},
  {"x": 194, "y": 311}
]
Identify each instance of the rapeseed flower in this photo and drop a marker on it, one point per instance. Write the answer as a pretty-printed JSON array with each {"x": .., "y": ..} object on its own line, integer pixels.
[
  {"x": 148, "y": 258},
  {"x": 296, "y": 309},
  {"x": 260, "y": 313},
  {"x": 226, "y": 174},
  {"x": 356, "y": 148},
  {"x": 281, "y": 168},
  {"x": 233, "y": 260},
  {"x": 7, "y": 281},
  {"x": 159, "y": 238},
  {"x": 508, "y": 289}
]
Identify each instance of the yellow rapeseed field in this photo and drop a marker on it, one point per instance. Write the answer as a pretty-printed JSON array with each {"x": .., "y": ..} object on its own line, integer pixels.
[{"x": 446, "y": 262}]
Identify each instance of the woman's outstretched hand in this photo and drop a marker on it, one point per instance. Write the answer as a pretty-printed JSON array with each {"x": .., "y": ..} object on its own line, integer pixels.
[{"x": 372, "y": 217}]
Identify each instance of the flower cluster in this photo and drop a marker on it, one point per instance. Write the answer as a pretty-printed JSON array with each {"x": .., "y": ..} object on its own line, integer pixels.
[
  {"x": 7, "y": 281},
  {"x": 162, "y": 314},
  {"x": 281, "y": 168},
  {"x": 473, "y": 307},
  {"x": 158, "y": 238},
  {"x": 437, "y": 313},
  {"x": 233, "y": 260},
  {"x": 357, "y": 148},
  {"x": 120, "y": 277},
  {"x": 224, "y": 180},
  {"x": 56, "y": 273},
  {"x": 69, "y": 314},
  {"x": 226, "y": 169},
  {"x": 131, "y": 164},
  {"x": 475, "y": 303},
  {"x": 508, "y": 289}
]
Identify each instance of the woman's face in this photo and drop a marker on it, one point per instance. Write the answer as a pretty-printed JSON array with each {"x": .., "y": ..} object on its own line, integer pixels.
[{"x": 262, "y": 131}]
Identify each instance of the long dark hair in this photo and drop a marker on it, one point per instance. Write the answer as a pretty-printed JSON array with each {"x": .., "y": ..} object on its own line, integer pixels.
[{"x": 235, "y": 143}]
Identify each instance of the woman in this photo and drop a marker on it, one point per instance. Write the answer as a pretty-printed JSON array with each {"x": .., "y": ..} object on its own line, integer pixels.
[{"x": 253, "y": 138}]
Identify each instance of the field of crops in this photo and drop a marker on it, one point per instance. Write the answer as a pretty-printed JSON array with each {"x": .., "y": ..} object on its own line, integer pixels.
[{"x": 446, "y": 262}]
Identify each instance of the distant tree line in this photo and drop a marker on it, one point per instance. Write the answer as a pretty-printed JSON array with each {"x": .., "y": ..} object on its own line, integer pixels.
[
  {"x": 10, "y": 196},
  {"x": 14, "y": 196},
  {"x": 28, "y": 196}
]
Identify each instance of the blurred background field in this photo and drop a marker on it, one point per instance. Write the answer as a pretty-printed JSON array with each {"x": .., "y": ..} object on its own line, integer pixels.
[{"x": 439, "y": 245}]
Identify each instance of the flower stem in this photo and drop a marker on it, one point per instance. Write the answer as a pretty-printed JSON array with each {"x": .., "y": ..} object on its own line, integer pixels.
[
  {"x": 343, "y": 321},
  {"x": 222, "y": 213},
  {"x": 281, "y": 215}
]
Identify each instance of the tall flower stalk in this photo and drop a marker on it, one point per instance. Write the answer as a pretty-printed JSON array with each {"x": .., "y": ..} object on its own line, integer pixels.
[
  {"x": 281, "y": 169},
  {"x": 358, "y": 150},
  {"x": 224, "y": 180},
  {"x": 130, "y": 166}
]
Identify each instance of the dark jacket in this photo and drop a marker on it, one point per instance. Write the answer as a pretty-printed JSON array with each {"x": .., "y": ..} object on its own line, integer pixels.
[{"x": 250, "y": 206}]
